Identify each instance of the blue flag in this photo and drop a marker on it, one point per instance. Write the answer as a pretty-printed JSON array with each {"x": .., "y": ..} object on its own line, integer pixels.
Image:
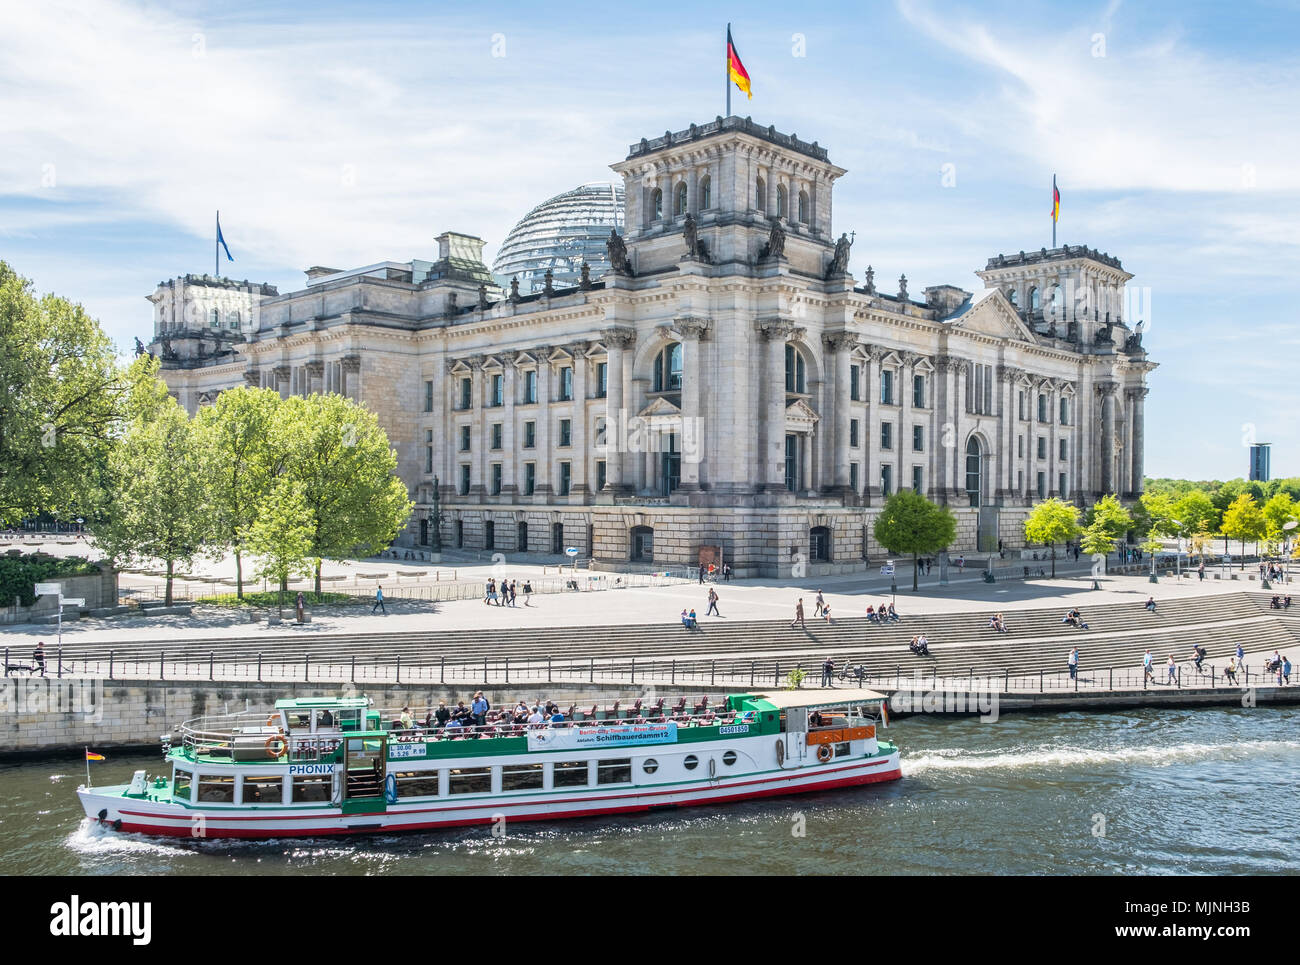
[{"x": 222, "y": 241}]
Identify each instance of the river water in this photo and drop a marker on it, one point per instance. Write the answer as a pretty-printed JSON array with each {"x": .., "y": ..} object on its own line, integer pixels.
[{"x": 1147, "y": 792}]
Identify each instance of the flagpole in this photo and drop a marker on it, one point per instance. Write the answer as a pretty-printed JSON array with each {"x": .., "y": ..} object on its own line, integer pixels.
[
  {"x": 216, "y": 252},
  {"x": 726, "y": 72},
  {"x": 1055, "y": 211},
  {"x": 86, "y": 750}
]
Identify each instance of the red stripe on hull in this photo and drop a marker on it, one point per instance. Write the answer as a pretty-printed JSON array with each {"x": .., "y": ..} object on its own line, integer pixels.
[{"x": 782, "y": 791}]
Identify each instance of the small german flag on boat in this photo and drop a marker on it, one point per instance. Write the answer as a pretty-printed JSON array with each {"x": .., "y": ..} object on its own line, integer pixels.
[
  {"x": 92, "y": 756},
  {"x": 735, "y": 69}
]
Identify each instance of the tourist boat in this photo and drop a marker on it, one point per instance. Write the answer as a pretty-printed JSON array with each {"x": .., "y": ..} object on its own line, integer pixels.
[{"x": 335, "y": 765}]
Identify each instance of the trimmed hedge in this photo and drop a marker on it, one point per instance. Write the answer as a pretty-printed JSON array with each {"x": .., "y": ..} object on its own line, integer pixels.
[{"x": 20, "y": 574}]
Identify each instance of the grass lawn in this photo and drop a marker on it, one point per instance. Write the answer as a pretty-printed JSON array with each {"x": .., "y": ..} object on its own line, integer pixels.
[{"x": 273, "y": 599}]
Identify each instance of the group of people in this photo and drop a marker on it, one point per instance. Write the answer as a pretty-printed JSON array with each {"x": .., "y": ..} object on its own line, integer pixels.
[
  {"x": 883, "y": 613},
  {"x": 997, "y": 623},
  {"x": 1075, "y": 619},
  {"x": 478, "y": 719},
  {"x": 920, "y": 645},
  {"x": 1274, "y": 572},
  {"x": 1280, "y": 603},
  {"x": 713, "y": 571},
  {"x": 505, "y": 596}
]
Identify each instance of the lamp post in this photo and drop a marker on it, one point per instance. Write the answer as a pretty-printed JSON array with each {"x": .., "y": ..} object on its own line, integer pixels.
[{"x": 1287, "y": 527}]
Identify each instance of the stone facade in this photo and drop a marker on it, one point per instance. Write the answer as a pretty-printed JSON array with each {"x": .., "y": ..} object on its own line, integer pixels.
[{"x": 728, "y": 383}]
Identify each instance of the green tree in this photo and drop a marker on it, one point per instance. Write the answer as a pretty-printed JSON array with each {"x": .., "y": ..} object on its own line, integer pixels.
[
  {"x": 1050, "y": 522},
  {"x": 236, "y": 434},
  {"x": 1110, "y": 514},
  {"x": 341, "y": 456},
  {"x": 1278, "y": 511},
  {"x": 280, "y": 537},
  {"x": 1097, "y": 541},
  {"x": 1196, "y": 513},
  {"x": 1243, "y": 520},
  {"x": 155, "y": 507},
  {"x": 910, "y": 523},
  {"x": 60, "y": 402}
]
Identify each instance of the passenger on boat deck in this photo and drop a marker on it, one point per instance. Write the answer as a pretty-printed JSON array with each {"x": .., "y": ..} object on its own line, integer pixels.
[
  {"x": 557, "y": 717},
  {"x": 442, "y": 715},
  {"x": 408, "y": 722},
  {"x": 535, "y": 718},
  {"x": 326, "y": 719},
  {"x": 461, "y": 713}
]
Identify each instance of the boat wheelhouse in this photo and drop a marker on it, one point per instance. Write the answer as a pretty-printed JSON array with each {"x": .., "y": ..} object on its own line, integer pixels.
[{"x": 336, "y": 765}]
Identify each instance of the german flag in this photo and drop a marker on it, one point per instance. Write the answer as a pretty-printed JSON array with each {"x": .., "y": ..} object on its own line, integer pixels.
[
  {"x": 92, "y": 756},
  {"x": 735, "y": 69},
  {"x": 1056, "y": 202}
]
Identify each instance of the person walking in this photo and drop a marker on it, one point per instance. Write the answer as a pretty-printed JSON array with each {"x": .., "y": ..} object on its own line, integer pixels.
[
  {"x": 514, "y": 588},
  {"x": 798, "y": 615},
  {"x": 1147, "y": 676},
  {"x": 38, "y": 657},
  {"x": 1073, "y": 662},
  {"x": 713, "y": 603},
  {"x": 528, "y": 592},
  {"x": 479, "y": 708},
  {"x": 1171, "y": 668},
  {"x": 828, "y": 668},
  {"x": 1286, "y": 671},
  {"x": 1241, "y": 656},
  {"x": 819, "y": 604},
  {"x": 379, "y": 600},
  {"x": 1200, "y": 571},
  {"x": 726, "y": 572},
  {"x": 301, "y": 605},
  {"x": 701, "y": 572}
]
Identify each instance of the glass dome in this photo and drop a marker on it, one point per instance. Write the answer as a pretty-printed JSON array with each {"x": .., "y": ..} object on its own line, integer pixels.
[{"x": 560, "y": 234}]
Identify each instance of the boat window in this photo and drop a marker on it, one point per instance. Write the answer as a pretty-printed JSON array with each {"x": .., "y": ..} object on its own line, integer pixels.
[
  {"x": 782, "y": 722},
  {"x": 470, "y": 780},
  {"x": 649, "y": 765},
  {"x": 842, "y": 750},
  {"x": 729, "y": 758},
  {"x": 417, "y": 784},
  {"x": 616, "y": 771},
  {"x": 691, "y": 762},
  {"x": 522, "y": 777},
  {"x": 570, "y": 774},
  {"x": 181, "y": 785},
  {"x": 300, "y": 720},
  {"x": 263, "y": 789},
  {"x": 349, "y": 720},
  {"x": 312, "y": 787},
  {"x": 217, "y": 788}
]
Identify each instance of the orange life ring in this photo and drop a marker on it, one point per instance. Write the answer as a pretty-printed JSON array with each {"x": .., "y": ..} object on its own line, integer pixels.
[
  {"x": 824, "y": 752},
  {"x": 282, "y": 744}
]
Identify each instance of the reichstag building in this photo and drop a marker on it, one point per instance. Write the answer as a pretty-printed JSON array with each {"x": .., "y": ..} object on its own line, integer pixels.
[{"x": 697, "y": 375}]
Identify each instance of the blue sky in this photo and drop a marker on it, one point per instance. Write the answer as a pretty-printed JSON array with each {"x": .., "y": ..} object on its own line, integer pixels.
[{"x": 344, "y": 134}]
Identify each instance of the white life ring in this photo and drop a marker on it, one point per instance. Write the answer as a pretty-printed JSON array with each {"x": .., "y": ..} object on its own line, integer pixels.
[{"x": 824, "y": 752}]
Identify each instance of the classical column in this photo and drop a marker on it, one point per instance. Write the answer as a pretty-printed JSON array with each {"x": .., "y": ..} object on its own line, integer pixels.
[
  {"x": 1053, "y": 450},
  {"x": 1139, "y": 437},
  {"x": 693, "y": 330},
  {"x": 1107, "y": 445},
  {"x": 903, "y": 438},
  {"x": 478, "y": 401},
  {"x": 578, "y": 427},
  {"x": 509, "y": 464},
  {"x": 1006, "y": 433},
  {"x": 839, "y": 346},
  {"x": 281, "y": 374},
  {"x": 351, "y": 368},
  {"x": 875, "y": 415},
  {"x": 545, "y": 461},
  {"x": 617, "y": 341},
  {"x": 315, "y": 373},
  {"x": 773, "y": 333}
]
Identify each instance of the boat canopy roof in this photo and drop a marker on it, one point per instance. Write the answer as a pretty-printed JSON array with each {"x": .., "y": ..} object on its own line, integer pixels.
[
  {"x": 323, "y": 703},
  {"x": 784, "y": 699}
]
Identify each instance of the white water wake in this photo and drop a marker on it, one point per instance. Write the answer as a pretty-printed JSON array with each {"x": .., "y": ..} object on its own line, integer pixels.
[{"x": 1079, "y": 757}]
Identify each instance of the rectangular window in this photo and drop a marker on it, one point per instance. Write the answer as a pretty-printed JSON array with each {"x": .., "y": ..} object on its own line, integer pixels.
[
  {"x": 428, "y": 396},
  {"x": 853, "y": 476},
  {"x": 1020, "y": 404},
  {"x": 496, "y": 435},
  {"x": 530, "y": 386},
  {"x": 217, "y": 789},
  {"x": 416, "y": 784},
  {"x": 617, "y": 770},
  {"x": 428, "y": 450},
  {"x": 886, "y": 435},
  {"x": 522, "y": 777},
  {"x": 498, "y": 390},
  {"x": 469, "y": 780},
  {"x": 1020, "y": 447},
  {"x": 918, "y": 438},
  {"x": 1042, "y": 408},
  {"x": 600, "y": 474},
  {"x": 181, "y": 784},
  {"x": 263, "y": 789},
  {"x": 530, "y": 478},
  {"x": 1060, "y": 486},
  {"x": 1065, "y": 412},
  {"x": 463, "y": 489},
  {"x": 566, "y": 432},
  {"x": 311, "y": 788},
  {"x": 1062, "y": 449},
  {"x": 853, "y": 433},
  {"x": 886, "y": 480},
  {"x": 530, "y": 435},
  {"x": 566, "y": 383},
  {"x": 1042, "y": 485},
  {"x": 1042, "y": 448},
  {"x": 496, "y": 479},
  {"x": 918, "y": 391},
  {"x": 602, "y": 379},
  {"x": 570, "y": 774},
  {"x": 887, "y": 387},
  {"x": 466, "y": 393},
  {"x": 464, "y": 438},
  {"x": 566, "y": 471},
  {"x": 917, "y": 480},
  {"x": 855, "y": 383}
]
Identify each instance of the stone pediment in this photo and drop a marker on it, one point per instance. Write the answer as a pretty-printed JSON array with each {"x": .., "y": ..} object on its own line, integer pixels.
[
  {"x": 660, "y": 407},
  {"x": 989, "y": 313},
  {"x": 799, "y": 413}
]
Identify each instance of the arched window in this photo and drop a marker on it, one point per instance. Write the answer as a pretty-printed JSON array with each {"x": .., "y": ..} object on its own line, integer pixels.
[
  {"x": 1012, "y": 297},
  {"x": 706, "y": 193},
  {"x": 643, "y": 544},
  {"x": 1035, "y": 302},
  {"x": 795, "y": 371},
  {"x": 974, "y": 471},
  {"x": 657, "y": 203},
  {"x": 760, "y": 196},
  {"x": 232, "y": 321},
  {"x": 214, "y": 318},
  {"x": 819, "y": 544},
  {"x": 782, "y": 211},
  {"x": 803, "y": 207},
  {"x": 679, "y": 204},
  {"x": 668, "y": 369},
  {"x": 521, "y": 537}
]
